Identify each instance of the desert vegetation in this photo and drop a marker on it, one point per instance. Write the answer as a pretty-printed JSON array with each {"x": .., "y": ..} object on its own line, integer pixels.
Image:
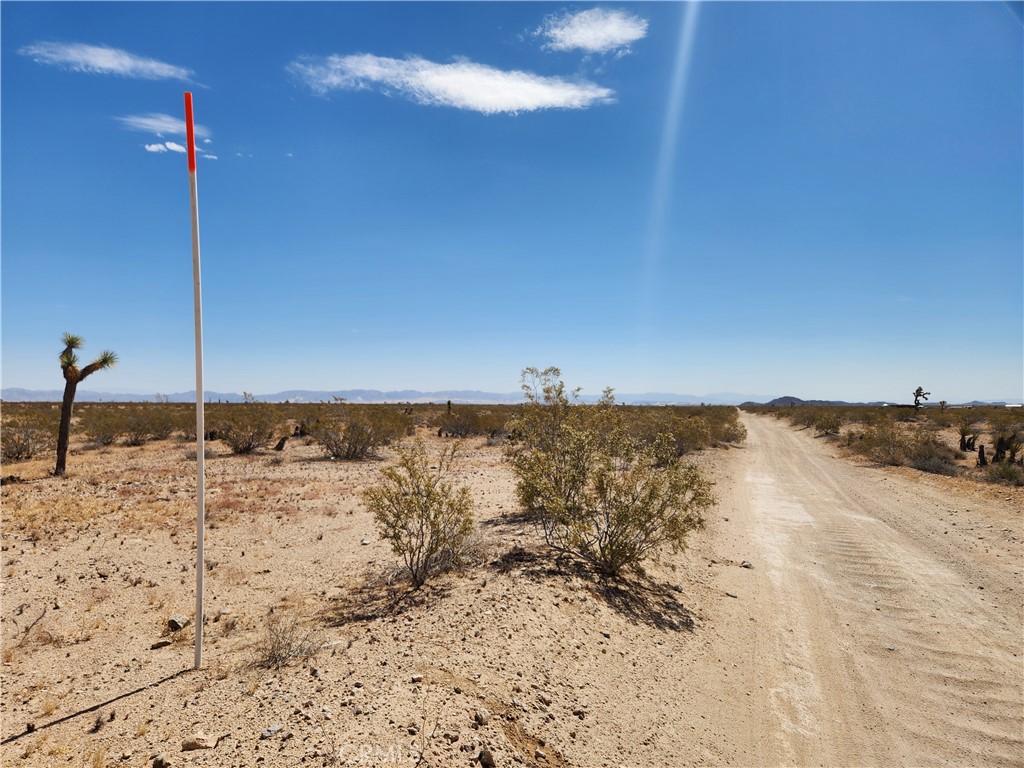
[
  {"x": 73, "y": 376},
  {"x": 980, "y": 442},
  {"x": 602, "y": 492}
]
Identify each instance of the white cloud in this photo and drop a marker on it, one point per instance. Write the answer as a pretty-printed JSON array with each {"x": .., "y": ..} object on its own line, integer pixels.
[
  {"x": 174, "y": 147},
  {"x": 598, "y": 30},
  {"x": 80, "y": 57},
  {"x": 155, "y": 148},
  {"x": 208, "y": 156},
  {"x": 461, "y": 84},
  {"x": 159, "y": 125}
]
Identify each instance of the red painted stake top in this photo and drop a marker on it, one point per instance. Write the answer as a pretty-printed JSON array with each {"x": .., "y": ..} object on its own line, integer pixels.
[{"x": 190, "y": 133}]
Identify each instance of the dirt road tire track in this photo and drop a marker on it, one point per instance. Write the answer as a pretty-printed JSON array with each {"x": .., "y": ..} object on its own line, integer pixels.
[{"x": 885, "y": 610}]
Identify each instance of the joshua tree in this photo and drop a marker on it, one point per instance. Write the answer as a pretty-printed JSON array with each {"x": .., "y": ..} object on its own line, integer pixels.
[
  {"x": 72, "y": 376},
  {"x": 919, "y": 395}
]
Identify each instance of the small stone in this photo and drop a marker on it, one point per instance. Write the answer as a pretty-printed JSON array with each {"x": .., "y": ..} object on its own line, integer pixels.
[
  {"x": 730, "y": 594},
  {"x": 538, "y": 754},
  {"x": 486, "y": 759},
  {"x": 606, "y": 634},
  {"x": 412, "y": 730},
  {"x": 198, "y": 741},
  {"x": 364, "y": 542},
  {"x": 417, "y": 678},
  {"x": 482, "y": 717},
  {"x": 746, "y": 564},
  {"x": 161, "y": 761},
  {"x": 266, "y": 733},
  {"x": 544, "y": 699},
  {"x": 159, "y": 644},
  {"x": 178, "y": 622}
]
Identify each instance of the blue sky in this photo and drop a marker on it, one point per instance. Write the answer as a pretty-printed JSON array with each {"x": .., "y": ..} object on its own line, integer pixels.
[{"x": 815, "y": 199}]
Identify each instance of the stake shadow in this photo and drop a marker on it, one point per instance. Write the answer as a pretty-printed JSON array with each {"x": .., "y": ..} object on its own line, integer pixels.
[{"x": 32, "y": 728}]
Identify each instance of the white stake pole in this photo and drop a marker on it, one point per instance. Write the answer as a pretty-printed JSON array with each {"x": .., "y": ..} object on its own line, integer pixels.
[{"x": 200, "y": 420}]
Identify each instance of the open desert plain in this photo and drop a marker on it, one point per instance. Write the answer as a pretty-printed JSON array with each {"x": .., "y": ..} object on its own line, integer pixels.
[{"x": 831, "y": 612}]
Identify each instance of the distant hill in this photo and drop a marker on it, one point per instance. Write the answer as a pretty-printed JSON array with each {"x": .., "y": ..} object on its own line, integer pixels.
[
  {"x": 12, "y": 394},
  {"x": 461, "y": 396}
]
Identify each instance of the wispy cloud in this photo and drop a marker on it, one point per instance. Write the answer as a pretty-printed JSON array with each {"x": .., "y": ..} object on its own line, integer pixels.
[
  {"x": 155, "y": 148},
  {"x": 98, "y": 59},
  {"x": 160, "y": 125},
  {"x": 598, "y": 30},
  {"x": 461, "y": 84}
]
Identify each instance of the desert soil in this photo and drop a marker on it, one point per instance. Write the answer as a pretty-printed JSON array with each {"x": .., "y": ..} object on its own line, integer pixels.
[{"x": 832, "y": 613}]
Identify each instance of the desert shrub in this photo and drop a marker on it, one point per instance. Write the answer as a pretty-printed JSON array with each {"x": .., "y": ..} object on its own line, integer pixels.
[
  {"x": 102, "y": 425},
  {"x": 460, "y": 421},
  {"x": 285, "y": 640},
  {"x": 27, "y": 434},
  {"x": 245, "y": 427},
  {"x": 1006, "y": 473},
  {"x": 136, "y": 425},
  {"x": 884, "y": 443},
  {"x": 599, "y": 492},
  {"x": 352, "y": 433},
  {"x": 468, "y": 421},
  {"x": 929, "y": 455},
  {"x": 690, "y": 434},
  {"x": 888, "y": 443},
  {"x": 420, "y": 512},
  {"x": 828, "y": 423}
]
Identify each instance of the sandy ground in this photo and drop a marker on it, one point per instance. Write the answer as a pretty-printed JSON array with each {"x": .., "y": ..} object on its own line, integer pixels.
[{"x": 879, "y": 622}]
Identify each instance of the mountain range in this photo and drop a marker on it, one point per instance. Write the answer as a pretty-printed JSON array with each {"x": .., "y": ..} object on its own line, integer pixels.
[
  {"x": 16, "y": 395},
  {"x": 12, "y": 394}
]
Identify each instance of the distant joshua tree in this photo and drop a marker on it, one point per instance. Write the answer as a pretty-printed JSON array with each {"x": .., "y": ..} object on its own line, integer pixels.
[
  {"x": 919, "y": 395},
  {"x": 72, "y": 376}
]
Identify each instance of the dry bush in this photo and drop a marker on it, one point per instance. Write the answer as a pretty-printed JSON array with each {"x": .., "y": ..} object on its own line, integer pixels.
[
  {"x": 245, "y": 427},
  {"x": 102, "y": 425},
  {"x": 27, "y": 435},
  {"x": 420, "y": 513},
  {"x": 284, "y": 641},
  {"x": 352, "y": 433},
  {"x": 889, "y": 443}
]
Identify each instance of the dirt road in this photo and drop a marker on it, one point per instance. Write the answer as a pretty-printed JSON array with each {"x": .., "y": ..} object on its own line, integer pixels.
[{"x": 881, "y": 623}]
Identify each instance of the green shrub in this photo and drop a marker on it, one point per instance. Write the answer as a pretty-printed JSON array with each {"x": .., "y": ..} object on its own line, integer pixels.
[
  {"x": 884, "y": 443},
  {"x": 828, "y": 423},
  {"x": 420, "y": 513},
  {"x": 599, "y": 492}
]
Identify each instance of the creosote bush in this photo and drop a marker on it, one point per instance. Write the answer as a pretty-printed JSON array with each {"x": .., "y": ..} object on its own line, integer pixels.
[
  {"x": 27, "y": 434},
  {"x": 245, "y": 427},
  {"x": 599, "y": 492},
  {"x": 420, "y": 512},
  {"x": 352, "y": 433}
]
